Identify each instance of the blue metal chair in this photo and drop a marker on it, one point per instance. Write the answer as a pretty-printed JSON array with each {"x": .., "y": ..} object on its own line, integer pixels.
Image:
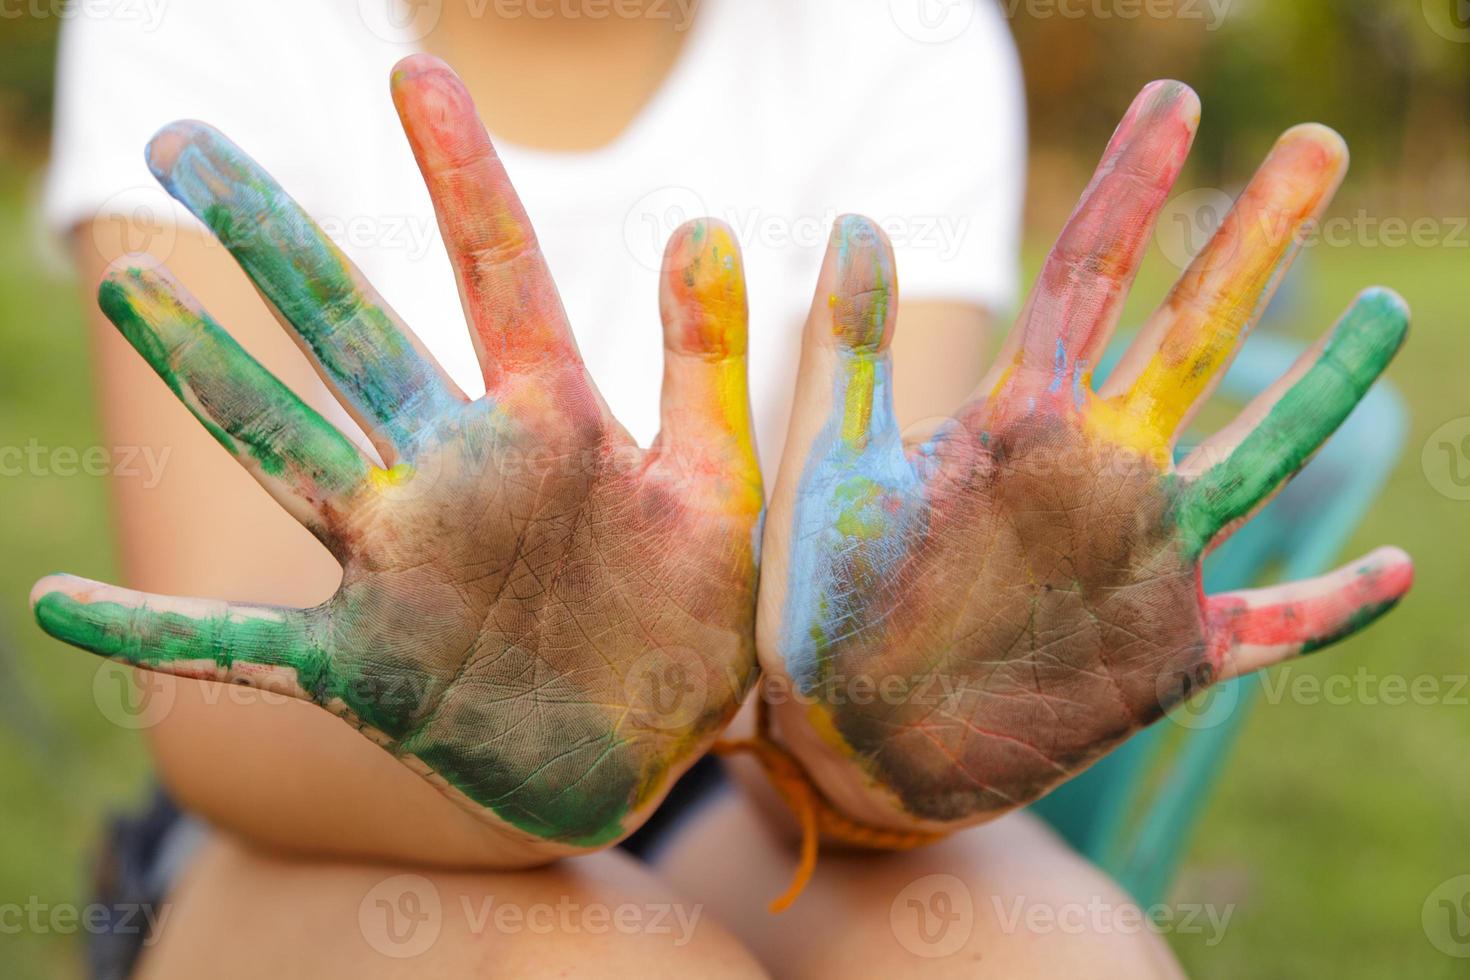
[{"x": 1133, "y": 812}]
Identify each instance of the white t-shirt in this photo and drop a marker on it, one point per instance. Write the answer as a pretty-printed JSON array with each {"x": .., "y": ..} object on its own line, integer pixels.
[{"x": 778, "y": 116}]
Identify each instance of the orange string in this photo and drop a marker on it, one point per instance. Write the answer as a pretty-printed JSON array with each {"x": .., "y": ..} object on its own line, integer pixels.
[{"x": 813, "y": 812}]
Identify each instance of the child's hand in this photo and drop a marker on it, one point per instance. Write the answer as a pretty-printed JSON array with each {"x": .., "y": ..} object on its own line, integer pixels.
[
  {"x": 544, "y": 620},
  {"x": 956, "y": 624}
]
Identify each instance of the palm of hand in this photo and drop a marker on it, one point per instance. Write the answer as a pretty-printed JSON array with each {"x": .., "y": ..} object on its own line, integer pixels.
[
  {"x": 967, "y": 620},
  {"x": 543, "y": 619},
  {"x": 549, "y": 631},
  {"x": 1076, "y": 608}
]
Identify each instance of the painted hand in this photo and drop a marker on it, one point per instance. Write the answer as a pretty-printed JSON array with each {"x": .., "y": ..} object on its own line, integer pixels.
[
  {"x": 543, "y": 619},
  {"x": 954, "y": 625}
]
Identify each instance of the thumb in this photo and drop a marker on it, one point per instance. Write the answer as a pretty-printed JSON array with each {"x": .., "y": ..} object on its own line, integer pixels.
[
  {"x": 844, "y": 390},
  {"x": 705, "y": 427}
]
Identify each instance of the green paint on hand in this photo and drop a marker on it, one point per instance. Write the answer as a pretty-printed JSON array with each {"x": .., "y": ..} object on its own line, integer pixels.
[
  {"x": 156, "y": 638},
  {"x": 298, "y": 268},
  {"x": 1360, "y": 619},
  {"x": 1359, "y": 349},
  {"x": 236, "y": 399}
]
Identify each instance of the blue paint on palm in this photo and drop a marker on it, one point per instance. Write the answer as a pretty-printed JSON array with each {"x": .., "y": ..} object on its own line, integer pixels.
[{"x": 858, "y": 509}]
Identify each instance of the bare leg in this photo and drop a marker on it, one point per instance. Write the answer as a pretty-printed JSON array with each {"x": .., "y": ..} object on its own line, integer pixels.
[
  {"x": 1006, "y": 900},
  {"x": 238, "y": 913}
]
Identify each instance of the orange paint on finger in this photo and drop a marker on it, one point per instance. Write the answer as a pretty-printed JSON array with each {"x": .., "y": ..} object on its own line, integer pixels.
[{"x": 1225, "y": 288}]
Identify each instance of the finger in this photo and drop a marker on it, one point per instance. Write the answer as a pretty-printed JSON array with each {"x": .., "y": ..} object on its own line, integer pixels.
[
  {"x": 514, "y": 311},
  {"x": 1239, "y": 468},
  {"x": 294, "y": 453},
  {"x": 1182, "y": 352},
  {"x": 845, "y": 491},
  {"x": 1255, "y": 628},
  {"x": 706, "y": 423},
  {"x": 387, "y": 380},
  {"x": 844, "y": 386},
  {"x": 267, "y": 647},
  {"x": 1079, "y": 294}
]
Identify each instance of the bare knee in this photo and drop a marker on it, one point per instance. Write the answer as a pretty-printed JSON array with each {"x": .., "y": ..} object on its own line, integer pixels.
[
  {"x": 1005, "y": 900},
  {"x": 241, "y": 913}
]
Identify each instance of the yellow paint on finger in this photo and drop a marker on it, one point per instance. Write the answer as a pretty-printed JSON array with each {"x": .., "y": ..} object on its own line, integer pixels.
[
  {"x": 1222, "y": 292},
  {"x": 732, "y": 405},
  {"x": 857, "y": 409},
  {"x": 394, "y": 476},
  {"x": 818, "y": 716},
  {"x": 709, "y": 290},
  {"x": 1114, "y": 423}
]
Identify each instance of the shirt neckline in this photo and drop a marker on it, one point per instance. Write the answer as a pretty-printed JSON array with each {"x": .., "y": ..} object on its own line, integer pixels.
[{"x": 677, "y": 84}]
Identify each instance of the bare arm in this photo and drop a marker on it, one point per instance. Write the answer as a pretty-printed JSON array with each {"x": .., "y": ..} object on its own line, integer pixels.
[
  {"x": 941, "y": 353},
  {"x": 268, "y": 768}
]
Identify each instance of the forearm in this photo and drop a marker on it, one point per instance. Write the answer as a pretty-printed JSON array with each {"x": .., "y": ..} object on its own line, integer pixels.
[{"x": 276, "y": 772}]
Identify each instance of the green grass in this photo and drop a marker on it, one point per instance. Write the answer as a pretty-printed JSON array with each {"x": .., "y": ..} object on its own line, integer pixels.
[
  {"x": 1331, "y": 825},
  {"x": 65, "y": 764},
  {"x": 1333, "y": 822}
]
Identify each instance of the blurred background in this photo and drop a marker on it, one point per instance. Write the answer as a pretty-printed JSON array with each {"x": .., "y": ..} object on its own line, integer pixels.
[{"x": 1337, "y": 830}]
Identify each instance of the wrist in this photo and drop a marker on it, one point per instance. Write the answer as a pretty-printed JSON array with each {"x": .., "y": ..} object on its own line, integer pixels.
[{"x": 801, "y": 730}]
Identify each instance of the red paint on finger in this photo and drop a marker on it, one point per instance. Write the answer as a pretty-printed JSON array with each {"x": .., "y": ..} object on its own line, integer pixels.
[
  {"x": 1082, "y": 286},
  {"x": 1314, "y": 621}
]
